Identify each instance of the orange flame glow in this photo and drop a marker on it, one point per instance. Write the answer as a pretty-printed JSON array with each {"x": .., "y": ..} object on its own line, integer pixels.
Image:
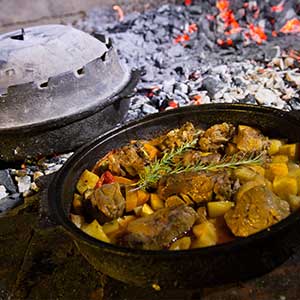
[
  {"x": 278, "y": 8},
  {"x": 181, "y": 38},
  {"x": 257, "y": 33},
  {"x": 291, "y": 26}
]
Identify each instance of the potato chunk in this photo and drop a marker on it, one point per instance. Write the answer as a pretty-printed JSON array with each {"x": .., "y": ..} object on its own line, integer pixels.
[
  {"x": 87, "y": 180},
  {"x": 95, "y": 230},
  {"x": 218, "y": 208}
]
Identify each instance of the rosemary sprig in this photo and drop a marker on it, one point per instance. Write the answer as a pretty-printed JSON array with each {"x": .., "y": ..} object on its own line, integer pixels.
[{"x": 153, "y": 172}]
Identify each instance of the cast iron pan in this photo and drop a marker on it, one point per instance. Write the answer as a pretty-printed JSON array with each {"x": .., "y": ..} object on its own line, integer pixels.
[{"x": 237, "y": 260}]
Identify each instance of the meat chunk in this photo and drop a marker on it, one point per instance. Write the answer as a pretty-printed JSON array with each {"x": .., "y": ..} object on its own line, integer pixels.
[
  {"x": 255, "y": 210},
  {"x": 192, "y": 157},
  {"x": 124, "y": 161},
  {"x": 109, "y": 201},
  {"x": 157, "y": 231},
  {"x": 176, "y": 137},
  {"x": 249, "y": 139},
  {"x": 216, "y": 136},
  {"x": 200, "y": 187}
]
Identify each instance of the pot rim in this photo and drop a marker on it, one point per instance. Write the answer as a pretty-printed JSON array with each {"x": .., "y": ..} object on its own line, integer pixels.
[{"x": 62, "y": 219}]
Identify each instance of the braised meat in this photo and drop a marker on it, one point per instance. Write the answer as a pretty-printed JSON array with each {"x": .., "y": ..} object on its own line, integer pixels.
[
  {"x": 188, "y": 188},
  {"x": 124, "y": 161},
  {"x": 216, "y": 136},
  {"x": 255, "y": 210},
  {"x": 249, "y": 139},
  {"x": 158, "y": 230},
  {"x": 109, "y": 201},
  {"x": 176, "y": 137},
  {"x": 192, "y": 157},
  {"x": 200, "y": 187}
]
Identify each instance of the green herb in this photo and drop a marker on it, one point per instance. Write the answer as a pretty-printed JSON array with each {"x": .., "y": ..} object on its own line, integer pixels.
[{"x": 166, "y": 166}]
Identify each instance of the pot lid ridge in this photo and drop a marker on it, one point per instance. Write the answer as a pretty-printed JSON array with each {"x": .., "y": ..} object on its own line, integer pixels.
[{"x": 38, "y": 53}]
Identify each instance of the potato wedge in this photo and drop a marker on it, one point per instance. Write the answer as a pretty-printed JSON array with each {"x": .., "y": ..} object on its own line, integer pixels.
[
  {"x": 87, "y": 180},
  {"x": 218, "y": 208},
  {"x": 95, "y": 230}
]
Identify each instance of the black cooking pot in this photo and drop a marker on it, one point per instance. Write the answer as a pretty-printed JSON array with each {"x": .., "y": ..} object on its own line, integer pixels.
[{"x": 237, "y": 260}]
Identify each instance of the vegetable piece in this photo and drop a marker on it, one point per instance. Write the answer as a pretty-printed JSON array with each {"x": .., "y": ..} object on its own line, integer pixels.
[
  {"x": 146, "y": 210},
  {"x": 284, "y": 186},
  {"x": 291, "y": 150},
  {"x": 95, "y": 230},
  {"x": 206, "y": 234},
  {"x": 124, "y": 221},
  {"x": 77, "y": 220},
  {"x": 156, "y": 202},
  {"x": 294, "y": 202},
  {"x": 258, "y": 169},
  {"x": 219, "y": 208},
  {"x": 111, "y": 227},
  {"x": 181, "y": 244},
  {"x": 174, "y": 201},
  {"x": 276, "y": 169},
  {"x": 274, "y": 146},
  {"x": 280, "y": 158},
  {"x": 151, "y": 150},
  {"x": 142, "y": 197},
  {"x": 123, "y": 180},
  {"x": 131, "y": 198},
  {"x": 87, "y": 180},
  {"x": 244, "y": 174}
]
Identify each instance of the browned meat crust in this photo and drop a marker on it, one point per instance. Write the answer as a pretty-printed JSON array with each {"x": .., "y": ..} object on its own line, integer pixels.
[
  {"x": 216, "y": 136},
  {"x": 157, "y": 231},
  {"x": 257, "y": 209}
]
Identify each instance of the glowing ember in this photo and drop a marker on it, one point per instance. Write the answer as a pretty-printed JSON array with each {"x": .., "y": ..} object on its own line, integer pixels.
[
  {"x": 181, "y": 38},
  {"x": 228, "y": 17},
  {"x": 119, "y": 11},
  {"x": 291, "y": 26},
  {"x": 257, "y": 33},
  {"x": 197, "y": 99},
  {"x": 278, "y": 8},
  {"x": 173, "y": 104}
]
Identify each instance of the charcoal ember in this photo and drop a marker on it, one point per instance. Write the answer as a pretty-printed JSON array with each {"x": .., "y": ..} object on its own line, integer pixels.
[
  {"x": 181, "y": 87},
  {"x": 148, "y": 109},
  {"x": 212, "y": 85},
  {"x": 6, "y": 180},
  {"x": 10, "y": 201},
  {"x": 271, "y": 52}
]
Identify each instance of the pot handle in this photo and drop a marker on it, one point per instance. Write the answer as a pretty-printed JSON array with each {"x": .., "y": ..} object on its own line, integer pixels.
[
  {"x": 45, "y": 216},
  {"x": 295, "y": 114}
]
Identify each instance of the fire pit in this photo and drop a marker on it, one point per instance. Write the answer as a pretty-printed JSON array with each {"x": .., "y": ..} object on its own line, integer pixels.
[{"x": 195, "y": 53}]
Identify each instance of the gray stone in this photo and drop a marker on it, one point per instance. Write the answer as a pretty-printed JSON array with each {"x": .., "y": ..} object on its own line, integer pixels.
[
  {"x": 10, "y": 201},
  {"x": 268, "y": 97},
  {"x": 23, "y": 183},
  {"x": 3, "y": 192},
  {"x": 6, "y": 180}
]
